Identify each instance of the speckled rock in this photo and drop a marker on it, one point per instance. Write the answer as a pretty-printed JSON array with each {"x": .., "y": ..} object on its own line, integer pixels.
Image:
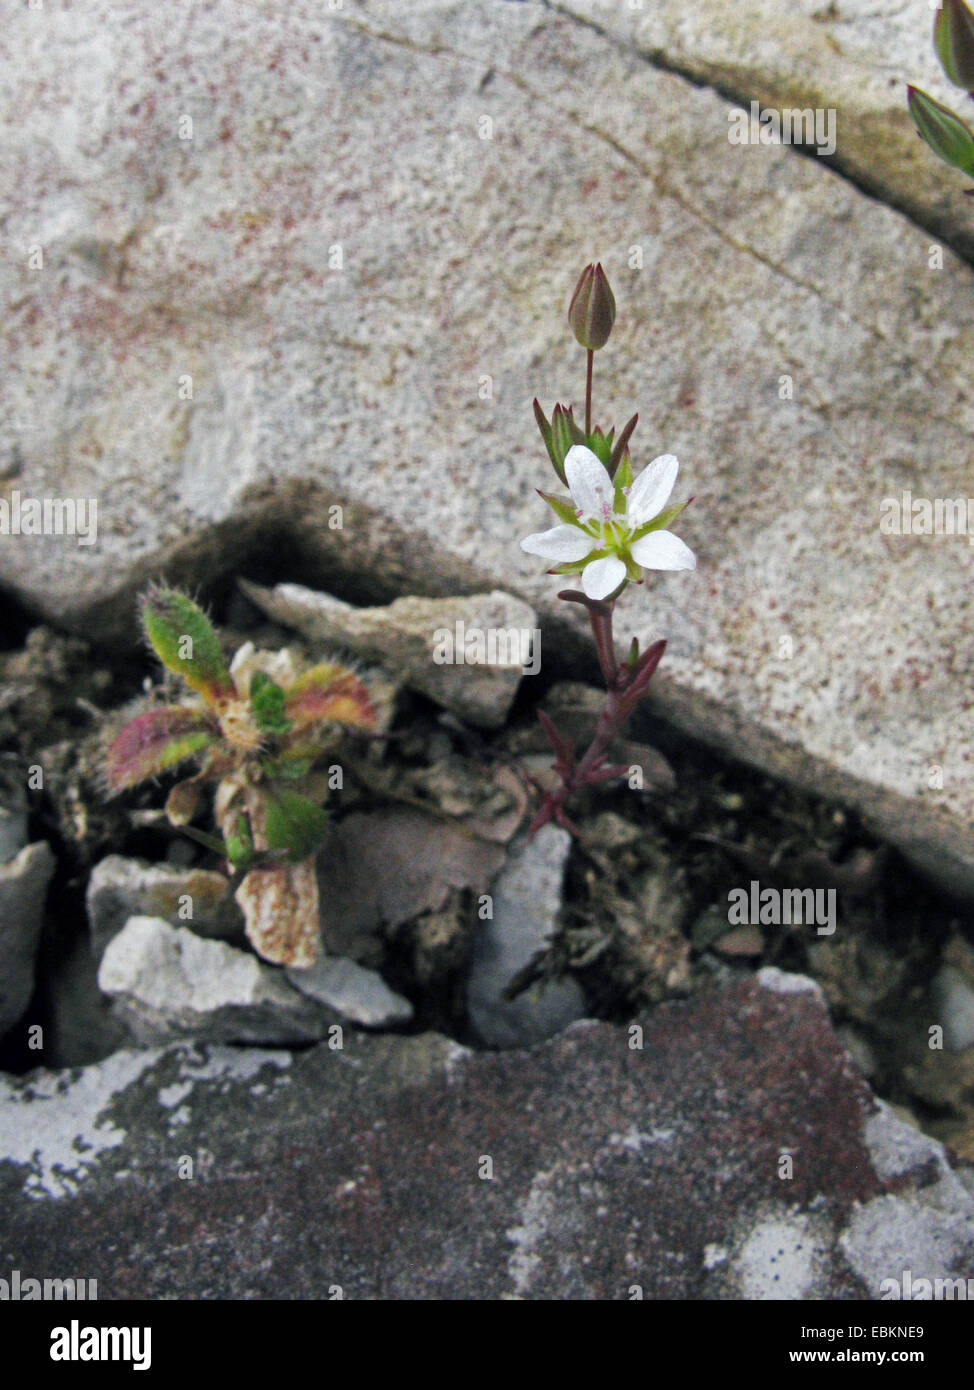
[
  {"x": 331, "y": 361},
  {"x": 121, "y": 888},
  {"x": 167, "y": 982},
  {"x": 395, "y": 1168},
  {"x": 854, "y": 57}
]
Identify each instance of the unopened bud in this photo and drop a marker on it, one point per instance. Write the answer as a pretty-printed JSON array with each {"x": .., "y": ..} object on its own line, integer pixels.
[{"x": 592, "y": 311}]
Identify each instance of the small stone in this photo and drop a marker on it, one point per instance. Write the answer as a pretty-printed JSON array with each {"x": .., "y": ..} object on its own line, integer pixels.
[
  {"x": 359, "y": 994},
  {"x": 23, "y": 889},
  {"x": 411, "y": 636},
  {"x": 526, "y": 903},
  {"x": 121, "y": 888},
  {"x": 169, "y": 983},
  {"x": 741, "y": 941}
]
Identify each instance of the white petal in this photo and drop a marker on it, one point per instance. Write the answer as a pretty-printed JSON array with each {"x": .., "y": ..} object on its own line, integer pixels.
[
  {"x": 648, "y": 494},
  {"x": 661, "y": 550},
  {"x": 588, "y": 482},
  {"x": 603, "y": 577},
  {"x": 561, "y": 544}
]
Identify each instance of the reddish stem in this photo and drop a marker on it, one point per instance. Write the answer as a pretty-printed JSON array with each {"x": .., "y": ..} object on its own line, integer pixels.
[{"x": 588, "y": 392}]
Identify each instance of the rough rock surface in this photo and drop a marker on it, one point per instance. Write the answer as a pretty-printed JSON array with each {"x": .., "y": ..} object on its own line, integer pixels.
[
  {"x": 357, "y": 993},
  {"x": 167, "y": 982},
  {"x": 263, "y": 335},
  {"x": 363, "y": 1172},
  {"x": 407, "y": 636},
  {"x": 121, "y": 888},
  {"x": 526, "y": 898},
  {"x": 23, "y": 889},
  {"x": 854, "y": 57}
]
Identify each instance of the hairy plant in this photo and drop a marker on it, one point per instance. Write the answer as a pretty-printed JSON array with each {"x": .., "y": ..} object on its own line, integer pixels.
[{"x": 255, "y": 729}]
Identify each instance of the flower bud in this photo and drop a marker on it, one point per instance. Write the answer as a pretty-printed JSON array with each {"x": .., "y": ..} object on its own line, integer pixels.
[
  {"x": 945, "y": 133},
  {"x": 953, "y": 38},
  {"x": 592, "y": 311}
]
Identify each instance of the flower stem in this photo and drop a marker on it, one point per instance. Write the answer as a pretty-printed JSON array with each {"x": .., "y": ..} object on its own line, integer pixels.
[{"x": 588, "y": 391}]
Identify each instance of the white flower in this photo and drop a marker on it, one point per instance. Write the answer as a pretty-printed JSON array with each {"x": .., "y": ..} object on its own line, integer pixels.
[{"x": 612, "y": 533}]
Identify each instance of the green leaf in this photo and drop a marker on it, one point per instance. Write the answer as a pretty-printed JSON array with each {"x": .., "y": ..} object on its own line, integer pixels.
[
  {"x": 240, "y": 844},
  {"x": 184, "y": 641},
  {"x": 953, "y": 41},
  {"x": 945, "y": 133},
  {"x": 154, "y": 742},
  {"x": 293, "y": 823},
  {"x": 658, "y": 523},
  {"x": 563, "y": 507},
  {"x": 267, "y": 701}
]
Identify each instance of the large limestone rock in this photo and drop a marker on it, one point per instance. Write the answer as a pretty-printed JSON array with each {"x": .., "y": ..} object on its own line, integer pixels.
[
  {"x": 236, "y": 342},
  {"x": 361, "y": 1173},
  {"x": 854, "y": 58}
]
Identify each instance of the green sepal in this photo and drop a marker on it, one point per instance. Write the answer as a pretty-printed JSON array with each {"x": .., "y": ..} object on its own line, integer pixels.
[
  {"x": 945, "y": 133},
  {"x": 633, "y": 571},
  {"x": 953, "y": 41},
  {"x": 293, "y": 823},
  {"x": 601, "y": 446},
  {"x": 563, "y": 508},
  {"x": 623, "y": 479},
  {"x": 267, "y": 703},
  {"x": 183, "y": 638},
  {"x": 658, "y": 523}
]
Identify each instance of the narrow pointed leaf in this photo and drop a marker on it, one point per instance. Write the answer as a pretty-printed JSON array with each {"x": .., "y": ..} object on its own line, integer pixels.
[
  {"x": 945, "y": 133},
  {"x": 659, "y": 523},
  {"x": 563, "y": 507},
  {"x": 621, "y": 445}
]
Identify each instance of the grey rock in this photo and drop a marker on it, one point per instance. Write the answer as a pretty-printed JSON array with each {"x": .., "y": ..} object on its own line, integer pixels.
[
  {"x": 121, "y": 888},
  {"x": 853, "y": 58},
  {"x": 13, "y": 819},
  {"x": 167, "y": 982},
  {"x": 23, "y": 889},
  {"x": 526, "y": 903},
  {"x": 406, "y": 636},
  {"x": 606, "y": 1158},
  {"x": 953, "y": 1001},
  {"x": 82, "y": 1027},
  {"x": 341, "y": 359},
  {"x": 357, "y": 993}
]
